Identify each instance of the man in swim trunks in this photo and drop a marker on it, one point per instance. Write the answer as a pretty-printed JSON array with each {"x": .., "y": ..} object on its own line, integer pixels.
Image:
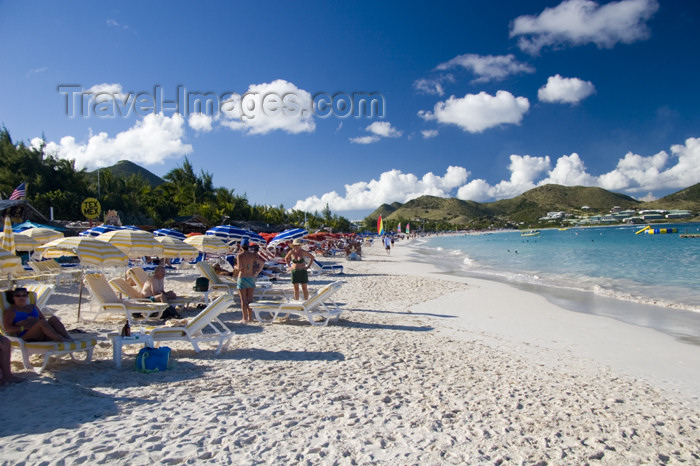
[
  {"x": 296, "y": 261},
  {"x": 248, "y": 266}
]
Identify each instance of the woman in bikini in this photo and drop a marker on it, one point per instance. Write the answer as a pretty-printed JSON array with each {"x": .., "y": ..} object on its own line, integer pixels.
[
  {"x": 25, "y": 320},
  {"x": 296, "y": 261}
]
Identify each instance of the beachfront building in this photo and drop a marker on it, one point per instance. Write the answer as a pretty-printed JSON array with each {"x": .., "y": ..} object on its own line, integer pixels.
[{"x": 679, "y": 214}]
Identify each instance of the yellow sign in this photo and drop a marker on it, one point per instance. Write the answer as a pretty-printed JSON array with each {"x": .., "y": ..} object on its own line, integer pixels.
[{"x": 91, "y": 208}]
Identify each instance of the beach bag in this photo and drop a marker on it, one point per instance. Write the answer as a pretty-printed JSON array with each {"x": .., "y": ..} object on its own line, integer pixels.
[
  {"x": 153, "y": 359},
  {"x": 201, "y": 284}
]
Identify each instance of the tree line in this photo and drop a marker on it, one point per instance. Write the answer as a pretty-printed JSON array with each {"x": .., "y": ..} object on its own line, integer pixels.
[{"x": 55, "y": 182}]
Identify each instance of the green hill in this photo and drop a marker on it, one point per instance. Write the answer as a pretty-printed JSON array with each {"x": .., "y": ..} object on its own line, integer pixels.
[
  {"x": 527, "y": 207},
  {"x": 124, "y": 169},
  {"x": 535, "y": 203},
  {"x": 685, "y": 199}
]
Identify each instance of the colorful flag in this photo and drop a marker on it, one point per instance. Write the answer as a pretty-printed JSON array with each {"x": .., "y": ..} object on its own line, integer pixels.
[
  {"x": 398, "y": 228},
  {"x": 408, "y": 228},
  {"x": 380, "y": 226},
  {"x": 20, "y": 192}
]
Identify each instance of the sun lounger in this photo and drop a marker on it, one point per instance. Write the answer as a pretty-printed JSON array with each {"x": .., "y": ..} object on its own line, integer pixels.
[
  {"x": 195, "y": 331},
  {"x": 263, "y": 288},
  {"x": 47, "y": 349},
  {"x": 62, "y": 276},
  {"x": 108, "y": 302},
  {"x": 320, "y": 305},
  {"x": 139, "y": 276},
  {"x": 327, "y": 268}
]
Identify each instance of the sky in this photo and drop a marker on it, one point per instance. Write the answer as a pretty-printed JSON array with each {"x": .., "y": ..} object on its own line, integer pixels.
[{"x": 356, "y": 104}]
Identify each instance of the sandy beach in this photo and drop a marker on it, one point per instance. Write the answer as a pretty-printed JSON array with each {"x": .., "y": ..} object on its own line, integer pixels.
[{"x": 422, "y": 368}]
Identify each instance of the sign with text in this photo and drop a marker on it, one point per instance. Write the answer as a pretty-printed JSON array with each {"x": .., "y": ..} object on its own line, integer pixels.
[{"x": 91, "y": 208}]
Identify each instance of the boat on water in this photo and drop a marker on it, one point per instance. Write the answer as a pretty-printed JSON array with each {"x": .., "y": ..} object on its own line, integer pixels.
[{"x": 530, "y": 233}]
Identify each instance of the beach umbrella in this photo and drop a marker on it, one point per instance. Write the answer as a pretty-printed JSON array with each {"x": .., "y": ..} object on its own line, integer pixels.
[
  {"x": 40, "y": 235},
  {"x": 228, "y": 233},
  {"x": 207, "y": 243},
  {"x": 90, "y": 251},
  {"x": 133, "y": 243},
  {"x": 9, "y": 262},
  {"x": 288, "y": 235},
  {"x": 22, "y": 243},
  {"x": 8, "y": 239},
  {"x": 255, "y": 238},
  {"x": 169, "y": 232},
  {"x": 176, "y": 248},
  {"x": 98, "y": 230}
]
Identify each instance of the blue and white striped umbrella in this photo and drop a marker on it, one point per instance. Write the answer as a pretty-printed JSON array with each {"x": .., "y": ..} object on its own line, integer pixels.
[
  {"x": 288, "y": 235},
  {"x": 170, "y": 232},
  {"x": 228, "y": 233},
  {"x": 98, "y": 230},
  {"x": 256, "y": 238}
]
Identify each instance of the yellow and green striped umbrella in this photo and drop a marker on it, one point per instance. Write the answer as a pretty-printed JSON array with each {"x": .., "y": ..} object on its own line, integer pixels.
[
  {"x": 90, "y": 251},
  {"x": 9, "y": 262},
  {"x": 22, "y": 243},
  {"x": 133, "y": 243},
  {"x": 40, "y": 234},
  {"x": 8, "y": 239},
  {"x": 207, "y": 243},
  {"x": 173, "y": 248}
]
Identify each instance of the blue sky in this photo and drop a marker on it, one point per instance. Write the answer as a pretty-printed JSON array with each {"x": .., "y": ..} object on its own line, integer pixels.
[{"x": 481, "y": 100}]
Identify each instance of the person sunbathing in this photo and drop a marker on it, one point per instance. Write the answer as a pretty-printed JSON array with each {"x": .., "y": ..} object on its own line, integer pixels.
[{"x": 26, "y": 321}]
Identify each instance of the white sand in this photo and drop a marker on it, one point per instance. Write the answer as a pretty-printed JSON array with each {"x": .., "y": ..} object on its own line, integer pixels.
[{"x": 423, "y": 368}]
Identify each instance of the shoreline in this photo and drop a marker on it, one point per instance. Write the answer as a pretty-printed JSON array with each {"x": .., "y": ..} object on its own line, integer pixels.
[
  {"x": 423, "y": 368},
  {"x": 551, "y": 284},
  {"x": 667, "y": 361}
]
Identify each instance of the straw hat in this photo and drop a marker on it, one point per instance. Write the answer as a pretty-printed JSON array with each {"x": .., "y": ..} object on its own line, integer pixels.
[{"x": 297, "y": 242}]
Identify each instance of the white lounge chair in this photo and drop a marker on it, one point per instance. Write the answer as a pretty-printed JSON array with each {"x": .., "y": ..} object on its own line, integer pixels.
[
  {"x": 139, "y": 276},
  {"x": 47, "y": 349},
  {"x": 327, "y": 268},
  {"x": 108, "y": 302},
  {"x": 263, "y": 288},
  {"x": 320, "y": 305},
  {"x": 194, "y": 330}
]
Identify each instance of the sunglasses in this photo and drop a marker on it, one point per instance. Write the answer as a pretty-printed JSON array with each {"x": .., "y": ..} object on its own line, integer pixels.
[{"x": 21, "y": 295}]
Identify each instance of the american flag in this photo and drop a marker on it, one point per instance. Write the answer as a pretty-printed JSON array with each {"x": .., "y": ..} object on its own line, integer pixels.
[{"x": 19, "y": 192}]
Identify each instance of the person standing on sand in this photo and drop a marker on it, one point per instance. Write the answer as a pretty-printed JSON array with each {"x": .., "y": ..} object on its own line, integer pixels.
[
  {"x": 387, "y": 244},
  {"x": 296, "y": 261},
  {"x": 248, "y": 266}
]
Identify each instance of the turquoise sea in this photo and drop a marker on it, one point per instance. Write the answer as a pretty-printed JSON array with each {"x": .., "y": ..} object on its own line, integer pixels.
[{"x": 607, "y": 270}]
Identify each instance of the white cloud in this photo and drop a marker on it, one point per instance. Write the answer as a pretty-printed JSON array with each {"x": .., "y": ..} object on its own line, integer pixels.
[
  {"x": 565, "y": 90},
  {"x": 365, "y": 139},
  {"x": 433, "y": 86},
  {"x": 150, "y": 141},
  {"x": 429, "y": 133},
  {"x": 488, "y": 67},
  {"x": 478, "y": 112},
  {"x": 106, "y": 92},
  {"x": 278, "y": 105},
  {"x": 524, "y": 173},
  {"x": 391, "y": 186},
  {"x": 200, "y": 122},
  {"x": 633, "y": 174},
  {"x": 379, "y": 129},
  {"x": 384, "y": 129},
  {"x": 578, "y": 22}
]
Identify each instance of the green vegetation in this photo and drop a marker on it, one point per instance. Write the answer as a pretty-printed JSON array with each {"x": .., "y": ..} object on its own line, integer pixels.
[
  {"x": 139, "y": 196},
  {"x": 523, "y": 211}
]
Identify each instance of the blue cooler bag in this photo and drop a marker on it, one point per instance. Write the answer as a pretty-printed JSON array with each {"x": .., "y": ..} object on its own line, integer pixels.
[{"x": 153, "y": 359}]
